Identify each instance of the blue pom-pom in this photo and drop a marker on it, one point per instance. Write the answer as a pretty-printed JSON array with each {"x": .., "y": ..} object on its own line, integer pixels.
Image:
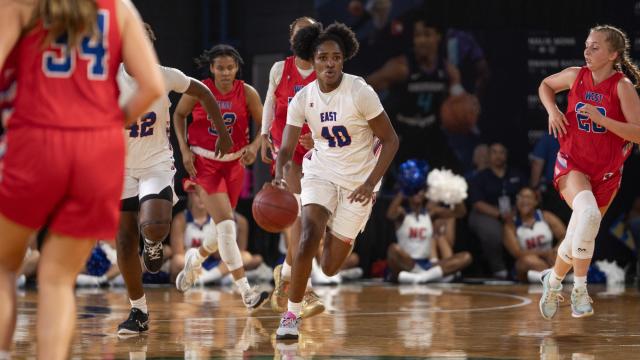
[
  {"x": 412, "y": 176},
  {"x": 98, "y": 263}
]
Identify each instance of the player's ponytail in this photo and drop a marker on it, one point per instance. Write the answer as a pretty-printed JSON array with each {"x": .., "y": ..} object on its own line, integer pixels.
[
  {"x": 76, "y": 18},
  {"x": 619, "y": 42}
]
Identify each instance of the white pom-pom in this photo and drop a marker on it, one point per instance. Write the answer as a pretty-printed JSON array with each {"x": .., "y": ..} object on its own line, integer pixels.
[{"x": 446, "y": 187}]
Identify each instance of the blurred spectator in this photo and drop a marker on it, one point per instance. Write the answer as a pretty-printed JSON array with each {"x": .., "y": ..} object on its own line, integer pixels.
[
  {"x": 414, "y": 104},
  {"x": 543, "y": 161},
  {"x": 530, "y": 236},
  {"x": 464, "y": 53},
  {"x": 491, "y": 194},
  {"x": 423, "y": 251},
  {"x": 101, "y": 267},
  {"x": 188, "y": 230},
  {"x": 30, "y": 262},
  {"x": 480, "y": 161}
]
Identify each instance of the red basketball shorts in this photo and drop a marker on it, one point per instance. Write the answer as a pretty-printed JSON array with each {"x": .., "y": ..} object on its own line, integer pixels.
[
  {"x": 220, "y": 177},
  {"x": 604, "y": 184},
  {"x": 68, "y": 179}
]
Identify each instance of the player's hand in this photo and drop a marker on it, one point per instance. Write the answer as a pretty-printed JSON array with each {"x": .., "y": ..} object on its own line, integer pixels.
[
  {"x": 592, "y": 112},
  {"x": 223, "y": 145},
  {"x": 277, "y": 182},
  {"x": 558, "y": 124},
  {"x": 363, "y": 194},
  {"x": 266, "y": 148},
  {"x": 248, "y": 155},
  {"x": 187, "y": 161},
  {"x": 306, "y": 141}
]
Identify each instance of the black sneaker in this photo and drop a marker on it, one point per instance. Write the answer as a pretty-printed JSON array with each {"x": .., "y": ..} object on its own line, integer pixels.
[
  {"x": 137, "y": 323},
  {"x": 152, "y": 255}
]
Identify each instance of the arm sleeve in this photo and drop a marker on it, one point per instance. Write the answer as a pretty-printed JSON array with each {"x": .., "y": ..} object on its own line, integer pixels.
[
  {"x": 175, "y": 80},
  {"x": 295, "y": 111},
  {"x": 268, "y": 111},
  {"x": 366, "y": 100}
]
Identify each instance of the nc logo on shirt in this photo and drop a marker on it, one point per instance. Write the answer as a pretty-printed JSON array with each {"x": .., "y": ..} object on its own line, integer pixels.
[
  {"x": 418, "y": 233},
  {"x": 328, "y": 116}
]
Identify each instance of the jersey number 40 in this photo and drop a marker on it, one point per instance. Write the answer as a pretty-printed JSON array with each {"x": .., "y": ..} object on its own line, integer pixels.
[
  {"x": 60, "y": 60},
  {"x": 336, "y": 135},
  {"x": 585, "y": 124}
]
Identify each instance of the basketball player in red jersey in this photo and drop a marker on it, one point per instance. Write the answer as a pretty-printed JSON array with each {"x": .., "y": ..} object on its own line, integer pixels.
[
  {"x": 285, "y": 79},
  {"x": 589, "y": 164},
  {"x": 218, "y": 179},
  {"x": 64, "y": 164}
]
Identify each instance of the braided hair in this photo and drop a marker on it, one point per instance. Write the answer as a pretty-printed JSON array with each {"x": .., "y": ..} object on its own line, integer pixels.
[
  {"x": 307, "y": 40},
  {"x": 619, "y": 42},
  {"x": 208, "y": 56}
]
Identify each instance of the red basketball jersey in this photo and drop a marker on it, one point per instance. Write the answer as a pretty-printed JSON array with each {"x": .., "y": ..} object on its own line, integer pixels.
[
  {"x": 235, "y": 113},
  {"x": 8, "y": 86},
  {"x": 290, "y": 83},
  {"x": 596, "y": 150},
  {"x": 60, "y": 86}
]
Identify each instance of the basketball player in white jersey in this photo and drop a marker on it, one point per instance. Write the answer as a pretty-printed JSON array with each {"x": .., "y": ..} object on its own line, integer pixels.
[
  {"x": 529, "y": 238},
  {"x": 342, "y": 172},
  {"x": 148, "y": 194},
  {"x": 422, "y": 254}
]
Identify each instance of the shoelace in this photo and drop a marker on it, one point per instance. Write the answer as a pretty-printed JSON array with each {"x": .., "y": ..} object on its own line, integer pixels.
[
  {"x": 154, "y": 250},
  {"x": 583, "y": 298},
  {"x": 311, "y": 296},
  {"x": 552, "y": 295},
  {"x": 288, "y": 322}
]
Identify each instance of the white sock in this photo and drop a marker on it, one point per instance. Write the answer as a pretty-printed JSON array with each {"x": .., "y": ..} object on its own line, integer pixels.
[
  {"x": 309, "y": 286},
  {"x": 555, "y": 280},
  {"x": 579, "y": 281},
  {"x": 431, "y": 274},
  {"x": 209, "y": 276},
  {"x": 285, "y": 272},
  {"x": 140, "y": 304},
  {"x": 295, "y": 308},
  {"x": 243, "y": 285},
  {"x": 5, "y": 355}
]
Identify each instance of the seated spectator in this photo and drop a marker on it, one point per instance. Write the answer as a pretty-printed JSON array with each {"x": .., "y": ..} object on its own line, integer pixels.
[
  {"x": 529, "y": 237},
  {"x": 188, "y": 230},
  {"x": 101, "y": 267},
  {"x": 491, "y": 195},
  {"x": 480, "y": 161},
  {"x": 30, "y": 262},
  {"x": 422, "y": 252},
  {"x": 543, "y": 161}
]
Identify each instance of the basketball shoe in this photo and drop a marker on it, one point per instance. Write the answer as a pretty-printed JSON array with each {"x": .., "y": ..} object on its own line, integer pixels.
[
  {"x": 551, "y": 298},
  {"x": 137, "y": 322},
  {"x": 253, "y": 299},
  {"x": 311, "y": 305},
  {"x": 581, "y": 302},
  {"x": 189, "y": 275},
  {"x": 281, "y": 292},
  {"x": 288, "y": 329},
  {"x": 152, "y": 256}
]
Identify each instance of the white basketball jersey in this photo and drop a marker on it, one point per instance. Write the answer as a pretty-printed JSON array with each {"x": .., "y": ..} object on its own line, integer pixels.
[
  {"x": 536, "y": 237},
  {"x": 194, "y": 233},
  {"x": 148, "y": 140},
  {"x": 415, "y": 235},
  {"x": 344, "y": 151}
]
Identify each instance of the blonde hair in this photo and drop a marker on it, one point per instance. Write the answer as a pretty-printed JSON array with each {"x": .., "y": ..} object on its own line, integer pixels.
[
  {"x": 76, "y": 18},
  {"x": 619, "y": 42}
]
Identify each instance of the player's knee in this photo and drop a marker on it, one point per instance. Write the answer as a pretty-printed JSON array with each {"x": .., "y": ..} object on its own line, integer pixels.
[
  {"x": 156, "y": 231},
  {"x": 310, "y": 233},
  {"x": 330, "y": 269},
  {"x": 392, "y": 251},
  {"x": 465, "y": 258}
]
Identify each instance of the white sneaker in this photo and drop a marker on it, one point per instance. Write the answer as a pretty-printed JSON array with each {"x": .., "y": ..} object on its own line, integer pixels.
[
  {"x": 254, "y": 299},
  {"x": 318, "y": 277},
  {"x": 189, "y": 275},
  {"x": 351, "y": 274}
]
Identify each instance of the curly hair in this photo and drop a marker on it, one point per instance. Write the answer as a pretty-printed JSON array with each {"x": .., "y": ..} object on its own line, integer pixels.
[
  {"x": 208, "y": 56},
  {"x": 307, "y": 40}
]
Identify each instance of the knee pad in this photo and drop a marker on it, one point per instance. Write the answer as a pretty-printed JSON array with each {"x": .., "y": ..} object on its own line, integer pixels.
[
  {"x": 210, "y": 242},
  {"x": 588, "y": 217},
  {"x": 564, "y": 251},
  {"x": 227, "y": 245},
  {"x": 155, "y": 230}
]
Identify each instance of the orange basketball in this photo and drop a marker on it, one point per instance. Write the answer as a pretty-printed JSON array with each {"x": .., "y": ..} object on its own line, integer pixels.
[
  {"x": 460, "y": 113},
  {"x": 274, "y": 209}
]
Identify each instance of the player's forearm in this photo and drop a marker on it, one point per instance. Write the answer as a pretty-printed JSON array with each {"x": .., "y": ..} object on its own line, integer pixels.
[
  {"x": 180, "y": 127},
  {"x": 387, "y": 153},
  {"x": 547, "y": 97},
  {"x": 625, "y": 130}
]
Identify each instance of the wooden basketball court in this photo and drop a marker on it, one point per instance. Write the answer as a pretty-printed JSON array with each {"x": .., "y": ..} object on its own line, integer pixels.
[{"x": 364, "y": 320}]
